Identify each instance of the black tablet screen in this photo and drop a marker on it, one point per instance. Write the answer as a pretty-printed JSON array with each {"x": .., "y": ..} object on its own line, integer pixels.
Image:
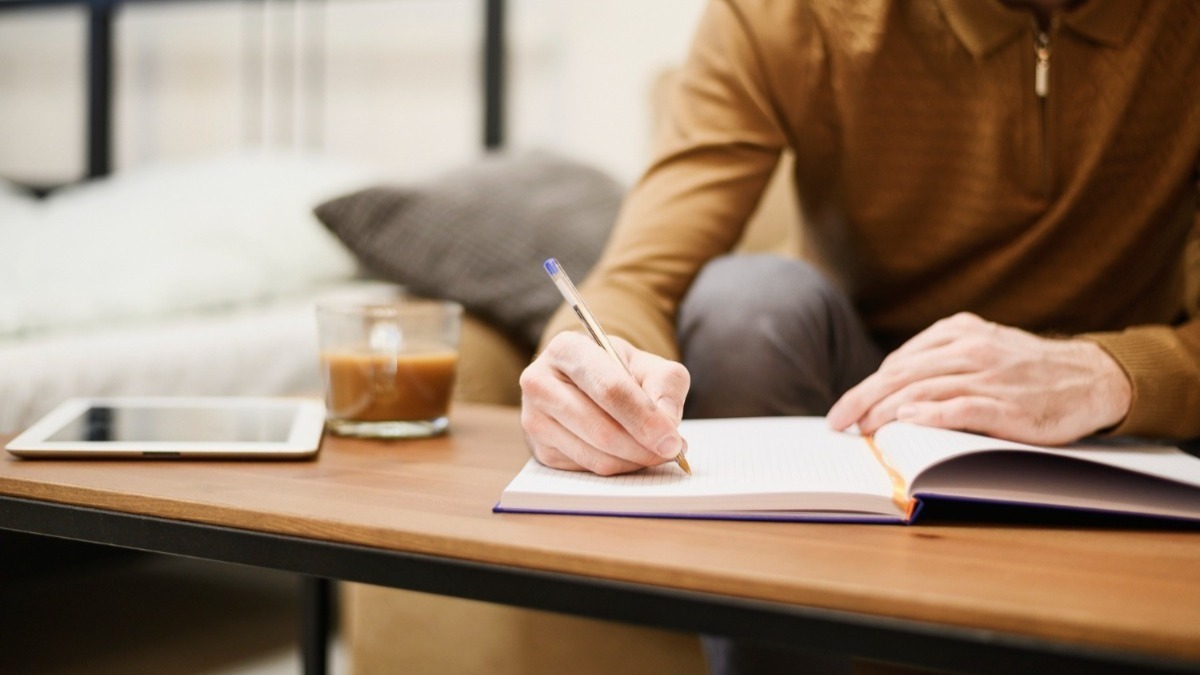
[{"x": 269, "y": 424}]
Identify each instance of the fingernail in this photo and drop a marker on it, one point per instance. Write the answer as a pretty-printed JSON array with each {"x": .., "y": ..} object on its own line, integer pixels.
[
  {"x": 906, "y": 411},
  {"x": 670, "y": 445}
]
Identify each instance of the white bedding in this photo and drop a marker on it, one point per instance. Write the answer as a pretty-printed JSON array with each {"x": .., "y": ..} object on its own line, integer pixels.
[
  {"x": 261, "y": 351},
  {"x": 169, "y": 239},
  {"x": 191, "y": 279}
]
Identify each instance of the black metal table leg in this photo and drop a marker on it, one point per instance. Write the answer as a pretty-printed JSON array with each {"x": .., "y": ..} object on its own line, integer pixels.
[{"x": 316, "y": 595}]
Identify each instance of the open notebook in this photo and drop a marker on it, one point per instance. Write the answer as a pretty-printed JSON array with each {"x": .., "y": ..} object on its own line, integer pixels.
[{"x": 797, "y": 468}]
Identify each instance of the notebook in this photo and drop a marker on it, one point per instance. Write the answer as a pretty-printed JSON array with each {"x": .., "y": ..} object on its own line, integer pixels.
[{"x": 797, "y": 468}]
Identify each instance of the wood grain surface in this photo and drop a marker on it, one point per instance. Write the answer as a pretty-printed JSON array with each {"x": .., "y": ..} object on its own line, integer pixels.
[{"x": 1128, "y": 587}]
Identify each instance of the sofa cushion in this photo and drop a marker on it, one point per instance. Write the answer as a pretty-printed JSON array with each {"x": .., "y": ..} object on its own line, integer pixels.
[{"x": 479, "y": 234}]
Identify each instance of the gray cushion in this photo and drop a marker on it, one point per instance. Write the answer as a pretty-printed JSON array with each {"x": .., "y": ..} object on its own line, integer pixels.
[{"x": 479, "y": 234}]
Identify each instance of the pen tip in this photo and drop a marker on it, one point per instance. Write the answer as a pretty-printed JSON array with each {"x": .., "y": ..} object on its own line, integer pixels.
[
  {"x": 683, "y": 463},
  {"x": 551, "y": 266}
]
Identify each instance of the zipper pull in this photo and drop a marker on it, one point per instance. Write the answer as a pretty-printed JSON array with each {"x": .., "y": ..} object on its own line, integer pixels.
[{"x": 1041, "y": 72}]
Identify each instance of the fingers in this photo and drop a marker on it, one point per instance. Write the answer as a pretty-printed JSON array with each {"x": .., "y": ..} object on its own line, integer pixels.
[
  {"x": 934, "y": 389},
  {"x": 607, "y": 384},
  {"x": 557, "y": 447},
  {"x": 553, "y": 458},
  {"x": 868, "y": 402},
  {"x": 956, "y": 345},
  {"x": 665, "y": 382},
  {"x": 943, "y": 332},
  {"x": 966, "y": 373},
  {"x": 581, "y": 409},
  {"x": 978, "y": 414}
]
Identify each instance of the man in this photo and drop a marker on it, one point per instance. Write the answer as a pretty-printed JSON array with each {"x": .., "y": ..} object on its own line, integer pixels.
[{"x": 1000, "y": 196}]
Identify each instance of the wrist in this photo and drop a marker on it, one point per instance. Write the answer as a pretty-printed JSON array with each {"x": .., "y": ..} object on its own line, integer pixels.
[{"x": 1113, "y": 389}]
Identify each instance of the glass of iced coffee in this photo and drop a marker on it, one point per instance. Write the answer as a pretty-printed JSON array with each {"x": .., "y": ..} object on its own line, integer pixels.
[{"x": 388, "y": 366}]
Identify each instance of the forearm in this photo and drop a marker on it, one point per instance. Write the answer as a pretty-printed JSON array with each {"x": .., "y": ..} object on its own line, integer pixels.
[{"x": 714, "y": 154}]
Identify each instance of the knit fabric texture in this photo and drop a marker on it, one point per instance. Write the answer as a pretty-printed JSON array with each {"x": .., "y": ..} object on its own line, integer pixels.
[{"x": 951, "y": 156}]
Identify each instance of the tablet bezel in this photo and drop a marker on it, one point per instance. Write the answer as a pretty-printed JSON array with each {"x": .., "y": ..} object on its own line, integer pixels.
[{"x": 304, "y": 437}]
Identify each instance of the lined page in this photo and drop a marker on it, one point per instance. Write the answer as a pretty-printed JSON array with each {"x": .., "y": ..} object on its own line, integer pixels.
[
  {"x": 912, "y": 449},
  {"x": 747, "y": 463}
]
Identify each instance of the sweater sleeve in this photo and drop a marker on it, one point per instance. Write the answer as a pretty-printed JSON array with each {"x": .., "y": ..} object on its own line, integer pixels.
[
  {"x": 1163, "y": 362},
  {"x": 714, "y": 154}
]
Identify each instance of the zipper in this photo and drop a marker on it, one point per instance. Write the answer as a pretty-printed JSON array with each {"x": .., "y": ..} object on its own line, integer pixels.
[
  {"x": 1041, "y": 72},
  {"x": 1041, "y": 87}
]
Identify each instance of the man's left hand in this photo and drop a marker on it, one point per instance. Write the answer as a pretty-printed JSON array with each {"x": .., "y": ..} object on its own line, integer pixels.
[{"x": 970, "y": 374}]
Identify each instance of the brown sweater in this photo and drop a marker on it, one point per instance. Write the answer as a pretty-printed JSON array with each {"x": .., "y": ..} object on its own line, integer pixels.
[{"x": 935, "y": 174}]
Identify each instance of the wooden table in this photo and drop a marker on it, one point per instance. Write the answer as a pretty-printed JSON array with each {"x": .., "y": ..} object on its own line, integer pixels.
[{"x": 962, "y": 596}]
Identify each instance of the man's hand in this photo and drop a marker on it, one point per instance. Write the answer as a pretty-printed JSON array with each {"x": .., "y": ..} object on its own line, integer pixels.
[
  {"x": 970, "y": 374},
  {"x": 582, "y": 411}
]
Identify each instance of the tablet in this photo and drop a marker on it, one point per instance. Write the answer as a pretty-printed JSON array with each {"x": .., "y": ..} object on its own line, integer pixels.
[{"x": 176, "y": 428}]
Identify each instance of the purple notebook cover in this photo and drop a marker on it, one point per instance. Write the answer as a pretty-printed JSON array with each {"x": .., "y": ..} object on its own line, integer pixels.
[{"x": 768, "y": 516}]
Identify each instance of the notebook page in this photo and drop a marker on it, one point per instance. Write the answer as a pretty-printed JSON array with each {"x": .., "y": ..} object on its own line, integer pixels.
[
  {"x": 732, "y": 457},
  {"x": 912, "y": 448},
  {"x": 1050, "y": 480}
]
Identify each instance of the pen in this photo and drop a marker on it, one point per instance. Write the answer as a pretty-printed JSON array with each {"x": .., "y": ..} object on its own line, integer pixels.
[{"x": 575, "y": 300}]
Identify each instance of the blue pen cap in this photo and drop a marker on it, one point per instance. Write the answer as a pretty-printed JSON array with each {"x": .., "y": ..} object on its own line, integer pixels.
[{"x": 551, "y": 266}]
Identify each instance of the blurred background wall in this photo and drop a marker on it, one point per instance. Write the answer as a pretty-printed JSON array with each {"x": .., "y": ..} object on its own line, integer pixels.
[{"x": 393, "y": 83}]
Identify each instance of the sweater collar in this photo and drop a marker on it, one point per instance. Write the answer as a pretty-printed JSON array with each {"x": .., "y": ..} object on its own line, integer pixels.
[{"x": 983, "y": 26}]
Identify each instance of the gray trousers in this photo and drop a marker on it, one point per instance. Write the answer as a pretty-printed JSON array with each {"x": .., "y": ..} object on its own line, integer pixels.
[{"x": 765, "y": 335}]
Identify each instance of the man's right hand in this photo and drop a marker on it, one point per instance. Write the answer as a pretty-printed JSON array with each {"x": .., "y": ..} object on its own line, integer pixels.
[{"x": 581, "y": 411}]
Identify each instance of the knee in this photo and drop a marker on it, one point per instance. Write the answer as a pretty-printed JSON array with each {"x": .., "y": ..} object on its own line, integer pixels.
[
  {"x": 750, "y": 300},
  {"x": 764, "y": 335}
]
